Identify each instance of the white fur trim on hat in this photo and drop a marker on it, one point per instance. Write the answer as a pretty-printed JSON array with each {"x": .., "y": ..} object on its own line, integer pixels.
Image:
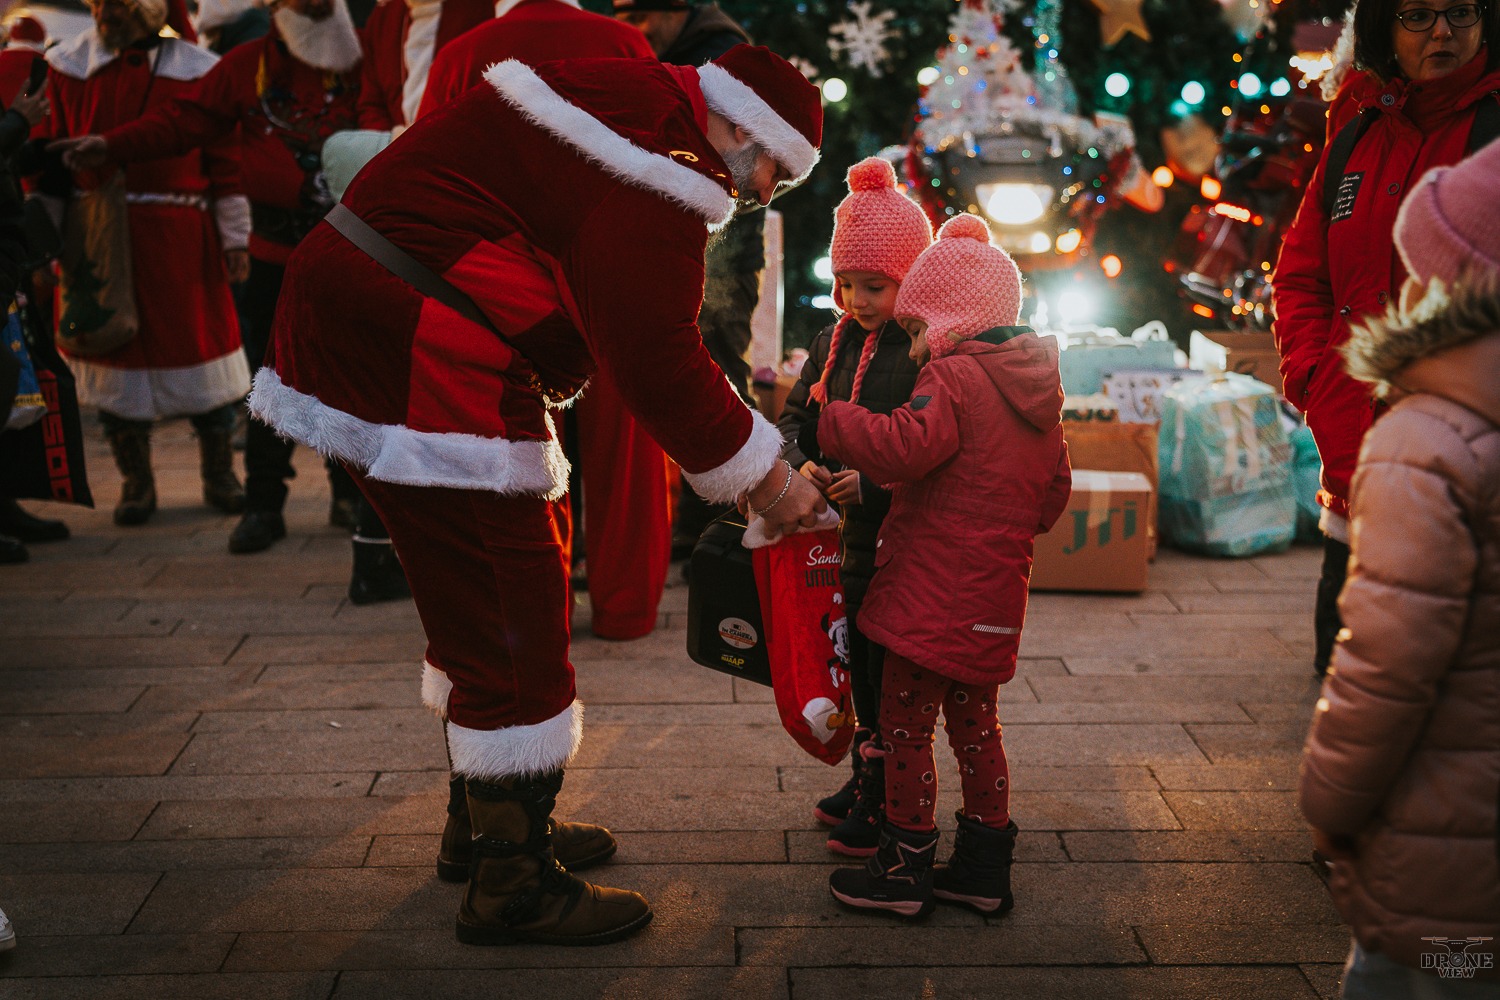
[
  {"x": 519, "y": 86},
  {"x": 435, "y": 689},
  {"x": 517, "y": 751},
  {"x": 726, "y": 483},
  {"x": 396, "y": 454},
  {"x": 734, "y": 99}
]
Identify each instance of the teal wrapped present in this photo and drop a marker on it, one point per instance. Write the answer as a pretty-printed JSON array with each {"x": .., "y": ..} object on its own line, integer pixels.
[
  {"x": 1087, "y": 358},
  {"x": 1226, "y": 468}
]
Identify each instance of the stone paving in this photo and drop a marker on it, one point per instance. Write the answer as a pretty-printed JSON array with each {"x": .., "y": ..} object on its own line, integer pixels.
[{"x": 218, "y": 782}]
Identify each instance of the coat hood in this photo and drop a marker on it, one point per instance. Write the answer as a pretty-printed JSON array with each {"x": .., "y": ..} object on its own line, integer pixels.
[
  {"x": 1024, "y": 370},
  {"x": 1447, "y": 344}
]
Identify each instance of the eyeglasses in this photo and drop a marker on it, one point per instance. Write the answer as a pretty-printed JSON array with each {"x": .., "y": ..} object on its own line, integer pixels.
[{"x": 1465, "y": 15}]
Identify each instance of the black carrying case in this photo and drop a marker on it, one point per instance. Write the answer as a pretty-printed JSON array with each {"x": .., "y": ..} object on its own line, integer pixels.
[{"x": 724, "y": 630}]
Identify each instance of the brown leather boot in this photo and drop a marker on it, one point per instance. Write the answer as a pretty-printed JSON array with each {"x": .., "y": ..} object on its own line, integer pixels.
[
  {"x": 221, "y": 487},
  {"x": 576, "y": 846},
  {"x": 517, "y": 891},
  {"x": 131, "y": 446}
]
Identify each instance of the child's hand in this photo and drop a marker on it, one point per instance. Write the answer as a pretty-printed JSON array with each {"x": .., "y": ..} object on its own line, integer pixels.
[
  {"x": 844, "y": 488},
  {"x": 818, "y": 475}
]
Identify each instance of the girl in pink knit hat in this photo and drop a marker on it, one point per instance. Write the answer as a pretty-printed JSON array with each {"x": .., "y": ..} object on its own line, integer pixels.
[
  {"x": 978, "y": 468},
  {"x": 878, "y": 233}
]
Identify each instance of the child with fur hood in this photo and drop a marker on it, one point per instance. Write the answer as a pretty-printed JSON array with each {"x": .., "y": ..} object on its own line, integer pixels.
[
  {"x": 1401, "y": 772},
  {"x": 979, "y": 469}
]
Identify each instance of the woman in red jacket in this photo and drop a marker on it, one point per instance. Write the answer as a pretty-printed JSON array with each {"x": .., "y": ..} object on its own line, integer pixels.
[
  {"x": 980, "y": 468},
  {"x": 1425, "y": 66}
]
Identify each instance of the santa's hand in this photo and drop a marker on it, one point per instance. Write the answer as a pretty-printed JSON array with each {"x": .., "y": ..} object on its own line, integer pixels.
[
  {"x": 785, "y": 500},
  {"x": 86, "y": 152}
]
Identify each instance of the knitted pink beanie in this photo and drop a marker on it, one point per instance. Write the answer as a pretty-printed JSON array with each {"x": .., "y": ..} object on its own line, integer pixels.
[
  {"x": 1450, "y": 220},
  {"x": 876, "y": 228},
  {"x": 961, "y": 285}
]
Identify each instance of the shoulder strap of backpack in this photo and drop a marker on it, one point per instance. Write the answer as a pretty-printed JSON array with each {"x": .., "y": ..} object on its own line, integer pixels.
[
  {"x": 1486, "y": 127},
  {"x": 1338, "y": 156}
]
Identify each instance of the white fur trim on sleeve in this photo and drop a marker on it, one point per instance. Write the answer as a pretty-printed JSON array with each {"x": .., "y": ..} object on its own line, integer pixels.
[
  {"x": 726, "y": 483},
  {"x": 519, "y": 86},
  {"x": 732, "y": 98},
  {"x": 396, "y": 454},
  {"x": 435, "y": 689},
  {"x": 517, "y": 751},
  {"x": 233, "y": 217}
]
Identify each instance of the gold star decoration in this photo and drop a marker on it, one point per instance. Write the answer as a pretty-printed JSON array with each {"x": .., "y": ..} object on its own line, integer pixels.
[{"x": 1118, "y": 18}]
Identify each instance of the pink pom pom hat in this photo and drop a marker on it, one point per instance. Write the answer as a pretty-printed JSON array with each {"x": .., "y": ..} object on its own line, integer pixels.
[{"x": 961, "y": 285}]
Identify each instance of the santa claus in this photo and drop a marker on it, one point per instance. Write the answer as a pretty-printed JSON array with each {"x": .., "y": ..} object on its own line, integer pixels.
[
  {"x": 183, "y": 214},
  {"x": 546, "y": 225}
]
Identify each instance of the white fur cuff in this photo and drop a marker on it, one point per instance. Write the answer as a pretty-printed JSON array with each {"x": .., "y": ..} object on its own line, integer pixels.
[
  {"x": 517, "y": 751},
  {"x": 435, "y": 689},
  {"x": 232, "y": 214},
  {"x": 725, "y": 483}
]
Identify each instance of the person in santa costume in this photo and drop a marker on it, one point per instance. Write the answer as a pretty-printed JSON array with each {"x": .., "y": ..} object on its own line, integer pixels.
[
  {"x": 286, "y": 92},
  {"x": 545, "y": 227},
  {"x": 625, "y": 476},
  {"x": 25, "y": 41},
  {"x": 401, "y": 40},
  {"x": 189, "y": 226}
]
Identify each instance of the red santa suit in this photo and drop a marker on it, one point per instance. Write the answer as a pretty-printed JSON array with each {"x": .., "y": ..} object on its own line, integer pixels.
[
  {"x": 400, "y": 39},
  {"x": 626, "y": 478},
  {"x": 183, "y": 213},
  {"x": 572, "y": 204},
  {"x": 286, "y": 108}
]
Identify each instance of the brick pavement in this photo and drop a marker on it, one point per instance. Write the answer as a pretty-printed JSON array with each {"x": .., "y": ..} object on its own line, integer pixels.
[{"x": 218, "y": 782}]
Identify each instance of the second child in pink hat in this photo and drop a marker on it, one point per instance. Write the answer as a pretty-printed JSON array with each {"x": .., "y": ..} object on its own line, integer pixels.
[
  {"x": 977, "y": 467},
  {"x": 878, "y": 233}
]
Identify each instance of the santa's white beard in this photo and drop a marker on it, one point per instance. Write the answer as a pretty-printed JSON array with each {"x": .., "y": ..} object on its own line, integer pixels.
[{"x": 330, "y": 44}]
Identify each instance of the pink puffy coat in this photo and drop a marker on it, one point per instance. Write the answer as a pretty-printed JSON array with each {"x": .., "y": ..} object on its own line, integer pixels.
[{"x": 978, "y": 468}]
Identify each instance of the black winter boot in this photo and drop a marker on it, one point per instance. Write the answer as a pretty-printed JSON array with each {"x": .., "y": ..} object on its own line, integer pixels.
[
  {"x": 221, "y": 487},
  {"x": 977, "y": 874},
  {"x": 834, "y": 809},
  {"x": 517, "y": 891},
  {"x": 22, "y": 525},
  {"x": 131, "y": 446},
  {"x": 858, "y": 836},
  {"x": 377, "y": 572},
  {"x": 898, "y": 879}
]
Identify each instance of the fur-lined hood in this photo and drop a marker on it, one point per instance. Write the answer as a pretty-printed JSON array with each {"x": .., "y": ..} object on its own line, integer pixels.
[{"x": 1447, "y": 344}]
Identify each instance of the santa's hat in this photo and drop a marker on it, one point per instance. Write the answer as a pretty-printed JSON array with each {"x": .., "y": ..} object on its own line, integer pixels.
[
  {"x": 217, "y": 13},
  {"x": 766, "y": 96},
  {"x": 26, "y": 33}
]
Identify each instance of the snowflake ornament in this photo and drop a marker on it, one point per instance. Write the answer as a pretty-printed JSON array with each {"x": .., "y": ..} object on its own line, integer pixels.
[
  {"x": 861, "y": 41},
  {"x": 804, "y": 67}
]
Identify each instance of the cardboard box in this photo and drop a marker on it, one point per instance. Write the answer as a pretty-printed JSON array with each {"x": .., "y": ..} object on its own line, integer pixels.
[
  {"x": 1252, "y": 354},
  {"x": 1100, "y": 541},
  {"x": 1118, "y": 448}
]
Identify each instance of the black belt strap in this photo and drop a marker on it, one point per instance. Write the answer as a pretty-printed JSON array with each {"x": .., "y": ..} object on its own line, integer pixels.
[{"x": 399, "y": 262}]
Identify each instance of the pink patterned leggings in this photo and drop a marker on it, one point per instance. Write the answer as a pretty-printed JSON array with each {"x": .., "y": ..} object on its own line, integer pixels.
[{"x": 909, "y": 704}]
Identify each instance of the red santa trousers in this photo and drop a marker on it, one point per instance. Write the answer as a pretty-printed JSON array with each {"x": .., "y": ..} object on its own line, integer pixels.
[
  {"x": 627, "y": 529},
  {"x": 487, "y": 576}
]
